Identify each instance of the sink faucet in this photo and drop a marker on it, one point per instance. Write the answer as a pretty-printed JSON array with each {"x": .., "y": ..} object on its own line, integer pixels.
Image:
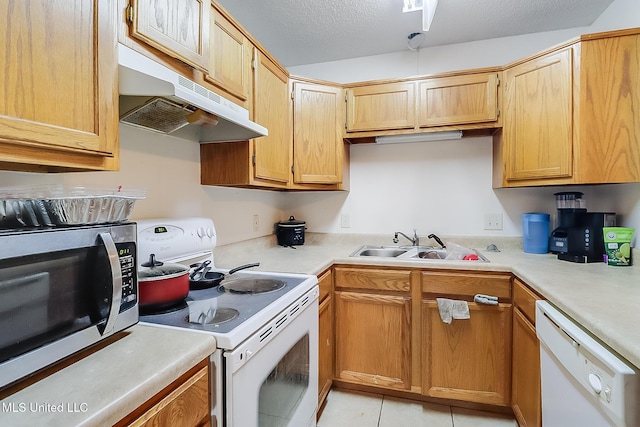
[
  {"x": 415, "y": 241},
  {"x": 437, "y": 239}
]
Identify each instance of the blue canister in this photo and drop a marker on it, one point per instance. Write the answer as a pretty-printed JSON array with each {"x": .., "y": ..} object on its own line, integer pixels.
[{"x": 535, "y": 233}]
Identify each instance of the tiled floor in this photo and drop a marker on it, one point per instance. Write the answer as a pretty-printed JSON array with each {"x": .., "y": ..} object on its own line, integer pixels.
[{"x": 352, "y": 409}]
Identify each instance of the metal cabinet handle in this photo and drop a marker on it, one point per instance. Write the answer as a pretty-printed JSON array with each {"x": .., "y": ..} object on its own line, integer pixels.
[{"x": 485, "y": 299}]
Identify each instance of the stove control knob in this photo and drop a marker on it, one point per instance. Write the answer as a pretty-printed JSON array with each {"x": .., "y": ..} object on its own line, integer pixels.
[
  {"x": 210, "y": 232},
  {"x": 201, "y": 232},
  {"x": 249, "y": 354}
]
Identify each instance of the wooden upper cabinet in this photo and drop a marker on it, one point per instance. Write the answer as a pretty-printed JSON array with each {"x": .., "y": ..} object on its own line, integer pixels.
[
  {"x": 59, "y": 97},
  {"x": 458, "y": 100},
  {"x": 230, "y": 58},
  {"x": 272, "y": 154},
  {"x": 571, "y": 114},
  {"x": 610, "y": 109},
  {"x": 178, "y": 28},
  {"x": 381, "y": 107},
  {"x": 538, "y": 123},
  {"x": 317, "y": 135}
]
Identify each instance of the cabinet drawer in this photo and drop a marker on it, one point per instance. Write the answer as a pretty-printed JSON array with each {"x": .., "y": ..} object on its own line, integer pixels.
[
  {"x": 372, "y": 278},
  {"x": 467, "y": 284},
  {"x": 187, "y": 405},
  {"x": 525, "y": 300},
  {"x": 324, "y": 283}
]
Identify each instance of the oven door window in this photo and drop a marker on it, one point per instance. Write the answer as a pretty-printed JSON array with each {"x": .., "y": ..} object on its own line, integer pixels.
[
  {"x": 49, "y": 296},
  {"x": 283, "y": 389}
]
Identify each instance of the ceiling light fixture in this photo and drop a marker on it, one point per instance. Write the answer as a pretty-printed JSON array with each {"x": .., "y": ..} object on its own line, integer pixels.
[
  {"x": 428, "y": 8},
  {"x": 419, "y": 137}
]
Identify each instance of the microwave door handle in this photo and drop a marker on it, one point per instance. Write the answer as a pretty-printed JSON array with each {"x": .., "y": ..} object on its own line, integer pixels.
[{"x": 116, "y": 276}]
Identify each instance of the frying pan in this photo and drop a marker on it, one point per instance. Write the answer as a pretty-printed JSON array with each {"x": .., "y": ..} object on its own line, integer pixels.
[{"x": 214, "y": 278}]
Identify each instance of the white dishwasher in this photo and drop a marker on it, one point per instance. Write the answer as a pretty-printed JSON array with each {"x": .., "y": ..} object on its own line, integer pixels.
[{"x": 583, "y": 383}]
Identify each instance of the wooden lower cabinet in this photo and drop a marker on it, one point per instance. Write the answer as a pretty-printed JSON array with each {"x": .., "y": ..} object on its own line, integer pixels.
[
  {"x": 373, "y": 335},
  {"x": 389, "y": 334},
  {"x": 525, "y": 397},
  {"x": 469, "y": 359},
  {"x": 184, "y": 403},
  {"x": 325, "y": 347}
]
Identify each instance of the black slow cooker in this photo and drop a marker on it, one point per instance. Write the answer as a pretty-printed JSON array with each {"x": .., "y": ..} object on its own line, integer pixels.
[{"x": 290, "y": 233}]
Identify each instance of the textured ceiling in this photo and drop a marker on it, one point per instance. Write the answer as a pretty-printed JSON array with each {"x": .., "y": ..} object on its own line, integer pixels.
[{"x": 301, "y": 32}]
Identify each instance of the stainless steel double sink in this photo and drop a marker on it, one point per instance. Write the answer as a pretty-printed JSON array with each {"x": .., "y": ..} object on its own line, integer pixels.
[{"x": 410, "y": 252}]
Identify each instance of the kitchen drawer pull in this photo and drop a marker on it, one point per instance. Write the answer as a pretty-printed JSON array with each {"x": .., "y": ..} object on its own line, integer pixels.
[{"x": 485, "y": 299}]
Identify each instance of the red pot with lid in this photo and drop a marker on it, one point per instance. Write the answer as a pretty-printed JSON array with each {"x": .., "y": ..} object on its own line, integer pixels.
[{"x": 162, "y": 284}]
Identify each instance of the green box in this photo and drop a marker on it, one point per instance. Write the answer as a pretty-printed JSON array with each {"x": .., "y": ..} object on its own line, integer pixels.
[{"x": 617, "y": 245}]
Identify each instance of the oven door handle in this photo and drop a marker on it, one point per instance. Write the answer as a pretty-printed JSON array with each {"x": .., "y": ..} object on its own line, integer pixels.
[{"x": 116, "y": 282}]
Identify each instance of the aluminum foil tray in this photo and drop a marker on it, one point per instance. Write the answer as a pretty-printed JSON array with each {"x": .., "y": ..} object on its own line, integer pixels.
[{"x": 58, "y": 206}]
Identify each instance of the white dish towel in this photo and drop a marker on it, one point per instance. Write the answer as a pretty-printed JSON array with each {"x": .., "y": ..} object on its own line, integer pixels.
[{"x": 452, "y": 309}]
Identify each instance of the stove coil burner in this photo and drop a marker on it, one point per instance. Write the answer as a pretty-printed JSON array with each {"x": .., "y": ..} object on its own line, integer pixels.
[
  {"x": 221, "y": 315},
  {"x": 252, "y": 286}
]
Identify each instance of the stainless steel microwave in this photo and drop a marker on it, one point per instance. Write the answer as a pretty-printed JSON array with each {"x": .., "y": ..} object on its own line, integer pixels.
[{"x": 61, "y": 291}]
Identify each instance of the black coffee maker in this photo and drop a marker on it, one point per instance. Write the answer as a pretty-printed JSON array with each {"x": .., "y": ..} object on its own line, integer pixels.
[{"x": 578, "y": 236}]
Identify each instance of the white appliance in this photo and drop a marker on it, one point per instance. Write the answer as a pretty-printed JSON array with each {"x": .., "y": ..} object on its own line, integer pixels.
[
  {"x": 266, "y": 368},
  {"x": 157, "y": 98},
  {"x": 583, "y": 383}
]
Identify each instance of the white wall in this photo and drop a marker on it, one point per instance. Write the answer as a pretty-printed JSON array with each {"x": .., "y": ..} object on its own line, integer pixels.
[
  {"x": 169, "y": 169},
  {"x": 478, "y": 54},
  {"x": 445, "y": 187}
]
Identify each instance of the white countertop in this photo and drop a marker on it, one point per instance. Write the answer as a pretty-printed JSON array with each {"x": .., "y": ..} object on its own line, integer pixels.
[
  {"x": 107, "y": 384},
  {"x": 605, "y": 300}
]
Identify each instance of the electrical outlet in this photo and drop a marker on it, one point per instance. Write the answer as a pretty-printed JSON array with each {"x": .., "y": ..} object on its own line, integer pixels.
[
  {"x": 256, "y": 222},
  {"x": 493, "y": 221},
  {"x": 345, "y": 221}
]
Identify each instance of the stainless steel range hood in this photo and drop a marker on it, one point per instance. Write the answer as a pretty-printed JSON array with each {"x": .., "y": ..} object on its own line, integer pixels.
[{"x": 157, "y": 98}]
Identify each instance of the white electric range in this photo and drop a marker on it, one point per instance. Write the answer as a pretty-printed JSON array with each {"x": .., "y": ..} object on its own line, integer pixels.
[{"x": 265, "y": 324}]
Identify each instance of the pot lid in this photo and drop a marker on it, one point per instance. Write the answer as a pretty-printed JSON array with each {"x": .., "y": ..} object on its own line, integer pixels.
[
  {"x": 155, "y": 268},
  {"x": 291, "y": 223}
]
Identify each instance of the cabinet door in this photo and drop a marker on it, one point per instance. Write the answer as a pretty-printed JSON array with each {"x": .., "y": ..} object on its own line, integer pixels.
[
  {"x": 458, "y": 100},
  {"x": 230, "y": 58},
  {"x": 317, "y": 135},
  {"x": 373, "y": 339},
  {"x": 179, "y": 28},
  {"x": 538, "y": 124},
  {"x": 610, "y": 110},
  {"x": 58, "y": 105},
  {"x": 468, "y": 359},
  {"x": 381, "y": 106},
  {"x": 325, "y": 352},
  {"x": 526, "y": 398},
  {"x": 272, "y": 153}
]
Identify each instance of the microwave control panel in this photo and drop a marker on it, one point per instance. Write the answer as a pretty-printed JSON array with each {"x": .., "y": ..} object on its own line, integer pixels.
[{"x": 126, "y": 252}]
